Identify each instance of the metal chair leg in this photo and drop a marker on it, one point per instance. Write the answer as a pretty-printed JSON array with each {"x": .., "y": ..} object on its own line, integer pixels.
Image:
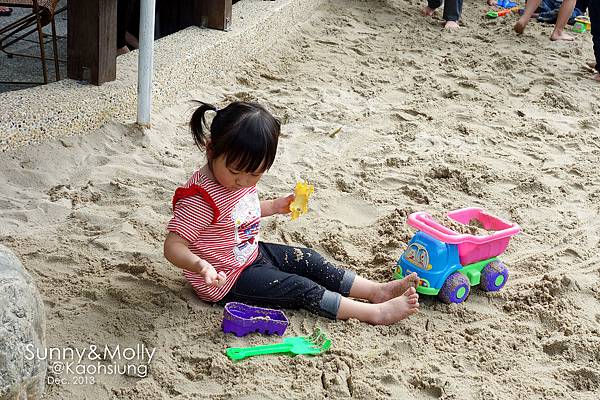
[
  {"x": 55, "y": 48},
  {"x": 36, "y": 9}
]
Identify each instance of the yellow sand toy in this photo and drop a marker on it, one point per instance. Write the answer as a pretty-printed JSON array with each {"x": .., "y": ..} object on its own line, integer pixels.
[{"x": 300, "y": 204}]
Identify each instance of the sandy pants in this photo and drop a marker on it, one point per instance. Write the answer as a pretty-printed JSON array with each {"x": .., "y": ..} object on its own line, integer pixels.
[{"x": 292, "y": 277}]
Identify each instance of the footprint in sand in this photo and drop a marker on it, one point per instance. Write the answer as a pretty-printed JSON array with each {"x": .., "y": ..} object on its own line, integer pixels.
[
  {"x": 581, "y": 379},
  {"x": 428, "y": 385},
  {"x": 352, "y": 211},
  {"x": 336, "y": 378}
]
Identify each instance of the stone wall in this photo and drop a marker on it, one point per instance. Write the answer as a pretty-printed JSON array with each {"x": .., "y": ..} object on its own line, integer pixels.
[{"x": 22, "y": 332}]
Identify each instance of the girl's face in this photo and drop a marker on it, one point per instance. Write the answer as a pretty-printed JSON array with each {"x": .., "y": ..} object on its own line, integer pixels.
[{"x": 230, "y": 177}]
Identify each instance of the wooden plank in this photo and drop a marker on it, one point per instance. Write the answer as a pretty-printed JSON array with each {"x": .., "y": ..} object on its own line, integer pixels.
[
  {"x": 168, "y": 17},
  {"x": 190, "y": 13},
  {"x": 92, "y": 38},
  {"x": 215, "y": 14}
]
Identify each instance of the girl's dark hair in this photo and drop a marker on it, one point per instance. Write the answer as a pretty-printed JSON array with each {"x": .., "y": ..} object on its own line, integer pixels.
[{"x": 245, "y": 133}]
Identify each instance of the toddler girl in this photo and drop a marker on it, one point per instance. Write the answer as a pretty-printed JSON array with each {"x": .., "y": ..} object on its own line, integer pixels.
[{"x": 215, "y": 230}]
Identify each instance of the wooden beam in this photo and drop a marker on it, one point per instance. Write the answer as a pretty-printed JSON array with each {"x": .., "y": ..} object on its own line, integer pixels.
[
  {"x": 214, "y": 14},
  {"x": 190, "y": 13},
  {"x": 92, "y": 41}
]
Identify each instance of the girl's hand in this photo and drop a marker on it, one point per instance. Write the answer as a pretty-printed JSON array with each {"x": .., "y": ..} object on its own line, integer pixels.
[
  {"x": 210, "y": 274},
  {"x": 282, "y": 204}
]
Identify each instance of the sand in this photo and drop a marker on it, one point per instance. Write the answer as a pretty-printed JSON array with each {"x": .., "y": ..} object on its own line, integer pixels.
[{"x": 385, "y": 114}]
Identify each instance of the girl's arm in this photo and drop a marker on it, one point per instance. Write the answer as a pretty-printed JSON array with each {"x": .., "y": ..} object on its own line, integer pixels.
[
  {"x": 277, "y": 206},
  {"x": 177, "y": 252}
]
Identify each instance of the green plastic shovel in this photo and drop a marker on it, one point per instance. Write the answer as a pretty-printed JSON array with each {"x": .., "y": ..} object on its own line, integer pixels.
[{"x": 316, "y": 343}]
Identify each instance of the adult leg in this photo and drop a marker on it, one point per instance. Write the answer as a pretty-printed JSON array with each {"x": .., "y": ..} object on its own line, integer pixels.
[
  {"x": 308, "y": 263},
  {"x": 133, "y": 25},
  {"x": 452, "y": 12},
  {"x": 564, "y": 13},
  {"x": 582, "y": 5},
  {"x": 530, "y": 8},
  {"x": 431, "y": 6},
  {"x": 122, "y": 19},
  {"x": 594, "y": 10}
]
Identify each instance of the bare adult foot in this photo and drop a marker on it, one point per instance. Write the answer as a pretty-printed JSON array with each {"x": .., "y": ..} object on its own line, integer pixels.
[
  {"x": 561, "y": 36},
  {"x": 451, "y": 25},
  {"x": 398, "y": 308},
  {"x": 5, "y": 11},
  {"x": 427, "y": 11},
  {"x": 520, "y": 26},
  {"x": 395, "y": 288},
  {"x": 122, "y": 50}
]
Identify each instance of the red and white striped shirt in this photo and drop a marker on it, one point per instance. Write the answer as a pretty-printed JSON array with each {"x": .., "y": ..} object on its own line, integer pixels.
[{"x": 222, "y": 227}]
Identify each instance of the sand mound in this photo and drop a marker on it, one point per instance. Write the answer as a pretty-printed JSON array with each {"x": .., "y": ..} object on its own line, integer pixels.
[{"x": 429, "y": 121}]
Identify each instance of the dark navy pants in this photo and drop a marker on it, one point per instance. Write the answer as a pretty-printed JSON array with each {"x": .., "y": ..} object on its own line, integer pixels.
[
  {"x": 452, "y": 8},
  {"x": 594, "y": 8},
  {"x": 292, "y": 277}
]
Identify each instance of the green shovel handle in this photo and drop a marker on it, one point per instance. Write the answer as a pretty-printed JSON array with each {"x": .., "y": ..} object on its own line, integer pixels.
[{"x": 238, "y": 353}]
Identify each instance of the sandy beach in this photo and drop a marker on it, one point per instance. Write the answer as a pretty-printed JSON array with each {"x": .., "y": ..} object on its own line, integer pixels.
[{"x": 385, "y": 114}]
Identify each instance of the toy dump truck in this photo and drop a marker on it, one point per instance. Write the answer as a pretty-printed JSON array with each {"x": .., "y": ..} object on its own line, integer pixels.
[{"x": 448, "y": 263}]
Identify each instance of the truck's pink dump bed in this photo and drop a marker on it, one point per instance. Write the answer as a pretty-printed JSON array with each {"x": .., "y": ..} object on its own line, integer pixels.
[{"x": 470, "y": 248}]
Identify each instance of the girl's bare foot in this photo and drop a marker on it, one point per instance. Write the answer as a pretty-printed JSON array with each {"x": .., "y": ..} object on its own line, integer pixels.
[
  {"x": 520, "y": 25},
  {"x": 451, "y": 25},
  {"x": 398, "y": 308},
  {"x": 427, "y": 11},
  {"x": 561, "y": 36},
  {"x": 395, "y": 288}
]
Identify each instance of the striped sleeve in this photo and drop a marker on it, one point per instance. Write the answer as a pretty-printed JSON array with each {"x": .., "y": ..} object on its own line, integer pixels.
[{"x": 191, "y": 216}]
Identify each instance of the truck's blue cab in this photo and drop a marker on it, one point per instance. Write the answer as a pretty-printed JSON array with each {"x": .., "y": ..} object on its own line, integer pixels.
[{"x": 431, "y": 259}]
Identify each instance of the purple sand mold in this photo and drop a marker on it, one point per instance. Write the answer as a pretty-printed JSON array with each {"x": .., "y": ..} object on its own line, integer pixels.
[{"x": 242, "y": 319}]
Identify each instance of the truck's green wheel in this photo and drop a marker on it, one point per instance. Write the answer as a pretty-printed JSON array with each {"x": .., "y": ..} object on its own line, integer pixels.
[{"x": 456, "y": 289}]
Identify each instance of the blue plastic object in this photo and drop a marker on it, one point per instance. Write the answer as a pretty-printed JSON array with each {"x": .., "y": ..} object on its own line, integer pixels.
[
  {"x": 506, "y": 4},
  {"x": 422, "y": 254}
]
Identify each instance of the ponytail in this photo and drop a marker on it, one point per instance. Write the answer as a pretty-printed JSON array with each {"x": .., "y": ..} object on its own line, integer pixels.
[
  {"x": 198, "y": 124},
  {"x": 246, "y": 134}
]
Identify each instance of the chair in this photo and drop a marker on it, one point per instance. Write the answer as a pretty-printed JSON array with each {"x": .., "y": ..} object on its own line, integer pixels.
[{"x": 42, "y": 14}]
